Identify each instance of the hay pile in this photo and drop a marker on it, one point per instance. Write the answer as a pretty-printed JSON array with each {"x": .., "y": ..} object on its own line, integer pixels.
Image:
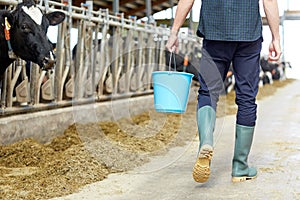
[{"x": 31, "y": 170}]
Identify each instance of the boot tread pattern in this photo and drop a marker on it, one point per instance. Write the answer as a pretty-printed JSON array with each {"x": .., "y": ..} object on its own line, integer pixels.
[{"x": 201, "y": 171}]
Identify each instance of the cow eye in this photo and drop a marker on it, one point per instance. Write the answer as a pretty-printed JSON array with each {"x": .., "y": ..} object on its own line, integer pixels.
[{"x": 25, "y": 28}]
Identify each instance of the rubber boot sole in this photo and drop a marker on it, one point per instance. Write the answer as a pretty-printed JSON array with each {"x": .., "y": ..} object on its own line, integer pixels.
[
  {"x": 201, "y": 171},
  {"x": 242, "y": 179}
]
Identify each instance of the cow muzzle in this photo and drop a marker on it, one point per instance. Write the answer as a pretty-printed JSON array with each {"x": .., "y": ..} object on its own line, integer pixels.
[{"x": 48, "y": 63}]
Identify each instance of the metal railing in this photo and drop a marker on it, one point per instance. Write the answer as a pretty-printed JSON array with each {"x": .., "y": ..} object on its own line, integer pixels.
[{"x": 114, "y": 58}]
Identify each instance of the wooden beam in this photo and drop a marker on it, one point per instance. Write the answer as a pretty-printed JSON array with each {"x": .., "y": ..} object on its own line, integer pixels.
[
  {"x": 292, "y": 15},
  {"x": 167, "y": 22},
  {"x": 142, "y": 8},
  {"x": 265, "y": 21},
  {"x": 103, "y": 4},
  {"x": 123, "y": 2}
]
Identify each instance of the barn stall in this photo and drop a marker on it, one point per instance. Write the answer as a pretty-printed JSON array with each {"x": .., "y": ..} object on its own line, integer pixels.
[{"x": 57, "y": 126}]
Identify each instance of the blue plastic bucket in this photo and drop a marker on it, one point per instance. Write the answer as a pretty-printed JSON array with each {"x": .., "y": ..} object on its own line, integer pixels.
[{"x": 171, "y": 91}]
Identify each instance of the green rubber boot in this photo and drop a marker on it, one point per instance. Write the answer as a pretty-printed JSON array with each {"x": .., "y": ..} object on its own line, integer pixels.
[
  {"x": 206, "y": 117},
  {"x": 243, "y": 141}
]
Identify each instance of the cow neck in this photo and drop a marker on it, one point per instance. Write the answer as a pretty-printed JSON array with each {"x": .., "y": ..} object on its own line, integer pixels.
[{"x": 7, "y": 27}]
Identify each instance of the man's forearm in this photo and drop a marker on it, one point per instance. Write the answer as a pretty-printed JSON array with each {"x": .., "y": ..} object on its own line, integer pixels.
[
  {"x": 272, "y": 14},
  {"x": 183, "y": 8}
]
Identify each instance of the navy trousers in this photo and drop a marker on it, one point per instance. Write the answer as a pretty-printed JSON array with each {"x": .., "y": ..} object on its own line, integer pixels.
[{"x": 214, "y": 65}]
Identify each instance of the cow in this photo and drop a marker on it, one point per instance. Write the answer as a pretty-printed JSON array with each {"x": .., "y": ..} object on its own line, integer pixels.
[
  {"x": 272, "y": 71},
  {"x": 265, "y": 74},
  {"x": 23, "y": 33}
]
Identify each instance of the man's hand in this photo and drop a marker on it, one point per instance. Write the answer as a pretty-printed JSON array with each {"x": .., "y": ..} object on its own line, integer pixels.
[
  {"x": 274, "y": 50},
  {"x": 173, "y": 43}
]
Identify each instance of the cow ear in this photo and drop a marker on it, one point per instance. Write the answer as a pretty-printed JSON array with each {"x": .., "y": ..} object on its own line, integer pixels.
[{"x": 55, "y": 18}]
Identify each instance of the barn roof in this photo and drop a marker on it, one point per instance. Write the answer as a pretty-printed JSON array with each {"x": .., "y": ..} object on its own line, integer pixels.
[{"x": 130, "y": 7}]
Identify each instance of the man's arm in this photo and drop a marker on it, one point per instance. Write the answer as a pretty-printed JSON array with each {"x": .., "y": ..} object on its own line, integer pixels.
[
  {"x": 183, "y": 8},
  {"x": 272, "y": 14}
]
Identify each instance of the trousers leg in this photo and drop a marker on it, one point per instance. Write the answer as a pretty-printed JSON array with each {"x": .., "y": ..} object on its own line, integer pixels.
[
  {"x": 246, "y": 71},
  {"x": 214, "y": 65}
]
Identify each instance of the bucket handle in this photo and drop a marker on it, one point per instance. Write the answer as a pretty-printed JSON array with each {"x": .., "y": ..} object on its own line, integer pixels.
[{"x": 172, "y": 54}]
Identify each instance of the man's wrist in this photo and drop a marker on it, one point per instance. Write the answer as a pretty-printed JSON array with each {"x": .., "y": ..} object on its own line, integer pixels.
[
  {"x": 276, "y": 39},
  {"x": 174, "y": 32}
]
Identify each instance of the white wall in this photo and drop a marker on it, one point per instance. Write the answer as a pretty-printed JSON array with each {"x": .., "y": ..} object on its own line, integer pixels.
[{"x": 291, "y": 39}]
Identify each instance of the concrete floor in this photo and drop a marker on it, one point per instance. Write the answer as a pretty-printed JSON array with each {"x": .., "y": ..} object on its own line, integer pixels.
[{"x": 275, "y": 153}]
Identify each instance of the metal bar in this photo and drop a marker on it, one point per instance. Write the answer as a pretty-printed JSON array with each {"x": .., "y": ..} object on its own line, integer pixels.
[
  {"x": 4, "y": 89},
  {"x": 140, "y": 58},
  {"x": 79, "y": 59},
  {"x": 115, "y": 58},
  {"x": 34, "y": 75},
  {"x": 60, "y": 52},
  {"x": 292, "y": 15},
  {"x": 116, "y": 6},
  {"x": 171, "y": 2},
  {"x": 148, "y": 10},
  {"x": 40, "y": 107},
  {"x": 38, "y": 86},
  {"x": 103, "y": 58},
  {"x": 9, "y": 89},
  {"x": 150, "y": 60}
]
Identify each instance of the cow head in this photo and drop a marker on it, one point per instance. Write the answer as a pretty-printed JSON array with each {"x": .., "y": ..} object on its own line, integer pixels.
[{"x": 28, "y": 37}]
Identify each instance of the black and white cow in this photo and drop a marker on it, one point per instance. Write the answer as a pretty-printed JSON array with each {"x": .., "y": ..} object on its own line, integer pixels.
[{"x": 28, "y": 39}]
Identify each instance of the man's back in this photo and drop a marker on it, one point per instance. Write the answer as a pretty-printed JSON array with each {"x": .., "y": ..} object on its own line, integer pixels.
[{"x": 230, "y": 20}]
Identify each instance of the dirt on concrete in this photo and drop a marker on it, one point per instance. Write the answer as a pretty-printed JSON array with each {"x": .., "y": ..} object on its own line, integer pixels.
[{"x": 87, "y": 153}]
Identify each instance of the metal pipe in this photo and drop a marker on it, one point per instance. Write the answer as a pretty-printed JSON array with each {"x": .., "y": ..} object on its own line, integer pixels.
[
  {"x": 116, "y": 6},
  {"x": 90, "y": 6},
  {"x": 171, "y": 2},
  {"x": 191, "y": 25},
  {"x": 149, "y": 10}
]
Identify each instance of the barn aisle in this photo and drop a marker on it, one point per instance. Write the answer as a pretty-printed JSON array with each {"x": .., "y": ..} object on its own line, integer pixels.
[{"x": 275, "y": 153}]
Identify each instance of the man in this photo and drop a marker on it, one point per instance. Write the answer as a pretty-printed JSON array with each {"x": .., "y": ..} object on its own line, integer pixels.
[{"x": 232, "y": 33}]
